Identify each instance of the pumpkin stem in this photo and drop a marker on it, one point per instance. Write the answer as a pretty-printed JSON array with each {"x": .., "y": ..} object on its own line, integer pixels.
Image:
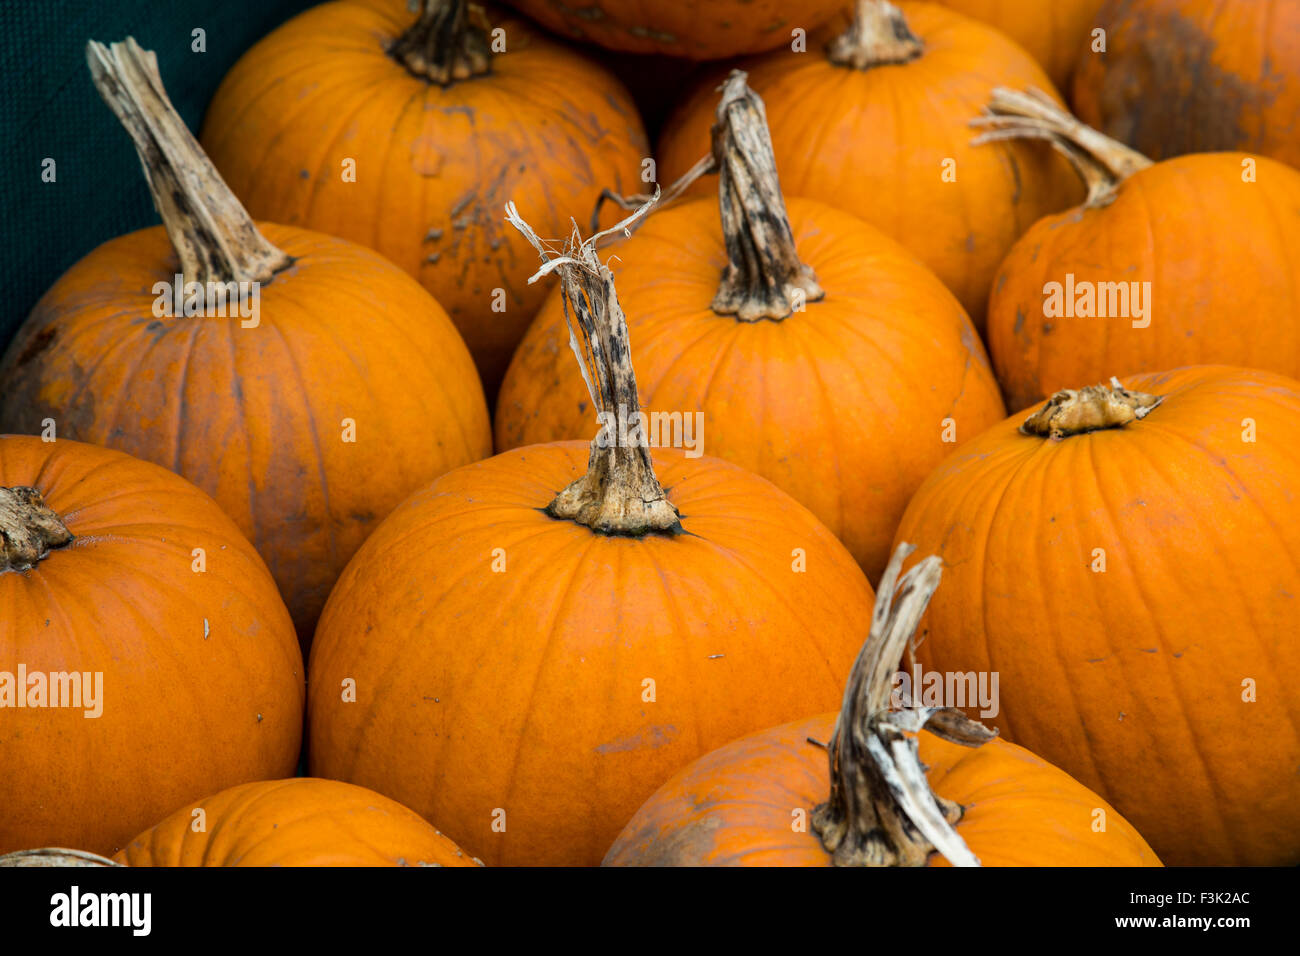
[
  {"x": 877, "y": 36},
  {"x": 764, "y": 278},
  {"x": 619, "y": 494},
  {"x": 29, "y": 529},
  {"x": 1102, "y": 162},
  {"x": 448, "y": 42},
  {"x": 214, "y": 237},
  {"x": 881, "y": 810},
  {"x": 1073, "y": 412},
  {"x": 55, "y": 856}
]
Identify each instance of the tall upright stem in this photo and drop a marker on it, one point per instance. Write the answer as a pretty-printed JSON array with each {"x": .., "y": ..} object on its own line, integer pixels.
[
  {"x": 214, "y": 237},
  {"x": 619, "y": 494},
  {"x": 881, "y": 810},
  {"x": 764, "y": 277}
]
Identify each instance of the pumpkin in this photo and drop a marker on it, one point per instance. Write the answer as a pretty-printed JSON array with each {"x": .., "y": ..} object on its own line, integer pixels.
[
  {"x": 525, "y": 666},
  {"x": 407, "y": 134},
  {"x": 301, "y": 821},
  {"x": 695, "y": 29},
  {"x": 1128, "y": 568},
  {"x": 880, "y": 785},
  {"x": 873, "y": 119},
  {"x": 854, "y": 398},
  {"x": 1196, "y": 76},
  {"x": 335, "y": 388},
  {"x": 1163, "y": 265},
  {"x": 1057, "y": 34},
  {"x": 145, "y": 656}
]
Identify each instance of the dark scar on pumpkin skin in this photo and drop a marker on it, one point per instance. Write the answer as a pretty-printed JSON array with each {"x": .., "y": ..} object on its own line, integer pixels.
[
  {"x": 1168, "y": 58},
  {"x": 41, "y": 341}
]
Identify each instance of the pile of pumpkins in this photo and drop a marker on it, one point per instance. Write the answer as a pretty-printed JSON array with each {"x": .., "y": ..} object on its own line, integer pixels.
[{"x": 309, "y": 557}]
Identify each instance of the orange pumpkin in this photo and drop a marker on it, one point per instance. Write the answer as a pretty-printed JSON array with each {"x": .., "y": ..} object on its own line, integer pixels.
[
  {"x": 696, "y": 29},
  {"x": 1133, "y": 580},
  {"x": 335, "y": 389},
  {"x": 296, "y": 822},
  {"x": 873, "y": 119},
  {"x": 145, "y": 656},
  {"x": 409, "y": 136},
  {"x": 1164, "y": 265},
  {"x": 1057, "y": 34},
  {"x": 1196, "y": 76},
  {"x": 574, "y": 654},
  {"x": 974, "y": 799},
  {"x": 853, "y": 399}
]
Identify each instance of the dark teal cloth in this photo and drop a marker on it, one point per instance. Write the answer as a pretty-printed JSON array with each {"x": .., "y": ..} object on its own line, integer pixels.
[{"x": 48, "y": 108}]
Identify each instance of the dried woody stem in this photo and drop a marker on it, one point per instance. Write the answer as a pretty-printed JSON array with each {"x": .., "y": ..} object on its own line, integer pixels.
[
  {"x": 1102, "y": 162},
  {"x": 881, "y": 811},
  {"x": 29, "y": 529},
  {"x": 54, "y": 856},
  {"x": 877, "y": 36},
  {"x": 1073, "y": 412},
  {"x": 447, "y": 42},
  {"x": 619, "y": 494},
  {"x": 214, "y": 238},
  {"x": 764, "y": 278}
]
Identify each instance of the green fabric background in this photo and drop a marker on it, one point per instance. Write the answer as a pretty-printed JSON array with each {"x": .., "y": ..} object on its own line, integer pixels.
[{"x": 48, "y": 107}]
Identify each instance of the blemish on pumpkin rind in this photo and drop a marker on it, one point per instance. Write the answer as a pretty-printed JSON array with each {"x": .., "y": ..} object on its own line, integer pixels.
[
  {"x": 38, "y": 344},
  {"x": 688, "y": 844},
  {"x": 426, "y": 158},
  {"x": 650, "y": 738},
  {"x": 648, "y": 34},
  {"x": 1015, "y": 175},
  {"x": 1166, "y": 96}
]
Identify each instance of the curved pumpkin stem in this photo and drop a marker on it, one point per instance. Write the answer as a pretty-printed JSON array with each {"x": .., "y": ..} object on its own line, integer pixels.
[
  {"x": 1102, "y": 162},
  {"x": 881, "y": 810},
  {"x": 878, "y": 36},
  {"x": 447, "y": 42},
  {"x": 1074, "y": 412},
  {"x": 214, "y": 237},
  {"x": 29, "y": 529},
  {"x": 764, "y": 278},
  {"x": 619, "y": 494},
  {"x": 55, "y": 856}
]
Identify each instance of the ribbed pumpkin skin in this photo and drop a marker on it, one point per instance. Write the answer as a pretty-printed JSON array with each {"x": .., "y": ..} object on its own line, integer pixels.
[
  {"x": 1057, "y": 34},
  {"x": 1221, "y": 256},
  {"x": 434, "y": 167},
  {"x": 523, "y": 690},
  {"x": 695, "y": 29},
  {"x": 255, "y": 416},
  {"x": 184, "y": 712},
  {"x": 873, "y": 143},
  {"x": 844, "y": 403},
  {"x": 1132, "y": 679},
  {"x": 301, "y": 821},
  {"x": 736, "y": 807},
  {"x": 1196, "y": 76}
]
